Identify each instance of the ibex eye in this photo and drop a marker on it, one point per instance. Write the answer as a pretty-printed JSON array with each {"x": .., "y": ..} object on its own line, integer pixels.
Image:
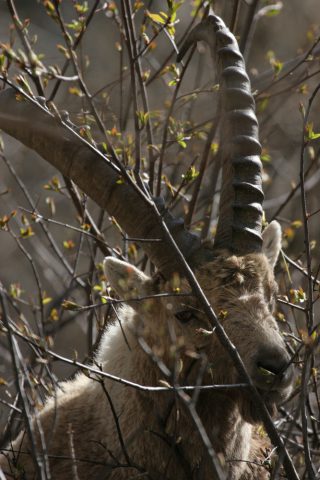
[{"x": 185, "y": 316}]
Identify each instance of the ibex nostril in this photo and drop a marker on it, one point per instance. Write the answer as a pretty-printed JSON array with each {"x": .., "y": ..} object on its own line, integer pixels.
[{"x": 273, "y": 369}]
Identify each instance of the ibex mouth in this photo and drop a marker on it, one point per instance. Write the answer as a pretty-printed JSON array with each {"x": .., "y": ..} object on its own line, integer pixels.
[{"x": 274, "y": 389}]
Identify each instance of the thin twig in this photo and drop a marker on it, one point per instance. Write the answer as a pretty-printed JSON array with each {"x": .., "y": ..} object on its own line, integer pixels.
[
  {"x": 39, "y": 464},
  {"x": 75, "y": 45}
]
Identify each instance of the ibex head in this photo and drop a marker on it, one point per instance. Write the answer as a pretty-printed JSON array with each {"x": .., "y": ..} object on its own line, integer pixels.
[{"x": 242, "y": 291}]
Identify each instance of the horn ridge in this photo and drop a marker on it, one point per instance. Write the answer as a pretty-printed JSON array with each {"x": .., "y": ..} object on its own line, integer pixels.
[{"x": 240, "y": 210}]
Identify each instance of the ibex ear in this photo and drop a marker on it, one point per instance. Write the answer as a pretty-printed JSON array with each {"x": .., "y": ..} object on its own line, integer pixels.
[
  {"x": 125, "y": 279},
  {"x": 272, "y": 242}
]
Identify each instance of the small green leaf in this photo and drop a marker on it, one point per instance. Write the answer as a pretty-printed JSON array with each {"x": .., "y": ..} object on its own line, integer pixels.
[
  {"x": 273, "y": 12},
  {"x": 298, "y": 296},
  {"x": 143, "y": 118},
  {"x": 191, "y": 174},
  {"x": 262, "y": 104},
  {"x": 214, "y": 147},
  {"x": 49, "y": 6},
  {"x": 309, "y": 133},
  {"x": 266, "y": 158},
  {"x": 76, "y": 91},
  {"x": 97, "y": 288},
  {"x": 46, "y": 300},
  {"x": 2, "y": 62},
  {"x": 15, "y": 290},
  {"x": 26, "y": 232},
  {"x": 157, "y": 18},
  {"x": 81, "y": 8},
  {"x": 137, "y": 6},
  {"x": 182, "y": 143},
  {"x": 274, "y": 62},
  {"x": 68, "y": 244},
  {"x": 266, "y": 372},
  {"x": 63, "y": 50},
  {"x": 54, "y": 315},
  {"x": 68, "y": 305},
  {"x": 296, "y": 224}
]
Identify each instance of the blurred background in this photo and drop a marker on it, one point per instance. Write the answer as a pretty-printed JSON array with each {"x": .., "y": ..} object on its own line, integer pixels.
[{"x": 53, "y": 257}]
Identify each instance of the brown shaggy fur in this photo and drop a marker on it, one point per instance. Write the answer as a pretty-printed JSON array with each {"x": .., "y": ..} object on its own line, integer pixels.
[{"x": 80, "y": 430}]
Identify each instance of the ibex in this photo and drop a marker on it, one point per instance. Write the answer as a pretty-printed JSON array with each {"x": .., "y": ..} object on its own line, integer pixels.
[{"x": 101, "y": 429}]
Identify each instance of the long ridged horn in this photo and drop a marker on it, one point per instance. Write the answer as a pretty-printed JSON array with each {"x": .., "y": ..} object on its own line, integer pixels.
[
  {"x": 96, "y": 176},
  {"x": 240, "y": 210}
]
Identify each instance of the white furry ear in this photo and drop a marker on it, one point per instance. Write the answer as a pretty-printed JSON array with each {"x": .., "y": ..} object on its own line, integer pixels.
[
  {"x": 125, "y": 279},
  {"x": 271, "y": 246}
]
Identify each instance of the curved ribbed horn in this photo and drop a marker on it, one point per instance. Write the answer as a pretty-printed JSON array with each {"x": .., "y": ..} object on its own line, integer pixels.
[
  {"x": 240, "y": 210},
  {"x": 97, "y": 177}
]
